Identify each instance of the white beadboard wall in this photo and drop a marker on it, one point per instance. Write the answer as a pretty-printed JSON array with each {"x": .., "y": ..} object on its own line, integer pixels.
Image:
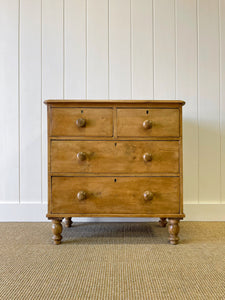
[{"x": 111, "y": 49}]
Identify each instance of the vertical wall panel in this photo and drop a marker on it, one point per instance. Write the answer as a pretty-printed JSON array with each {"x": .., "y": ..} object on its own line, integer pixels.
[
  {"x": 30, "y": 101},
  {"x": 119, "y": 50},
  {"x": 52, "y": 68},
  {"x": 187, "y": 87},
  {"x": 164, "y": 49},
  {"x": 97, "y": 45},
  {"x": 209, "y": 129},
  {"x": 142, "y": 49},
  {"x": 75, "y": 49},
  {"x": 222, "y": 94},
  {"x": 9, "y": 123}
]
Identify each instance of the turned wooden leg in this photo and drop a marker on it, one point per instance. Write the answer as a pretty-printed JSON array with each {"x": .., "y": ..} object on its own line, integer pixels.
[
  {"x": 162, "y": 222},
  {"x": 173, "y": 229},
  {"x": 68, "y": 222},
  {"x": 56, "y": 230}
]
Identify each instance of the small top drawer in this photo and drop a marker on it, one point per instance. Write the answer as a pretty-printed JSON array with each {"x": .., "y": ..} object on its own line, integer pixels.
[
  {"x": 148, "y": 122},
  {"x": 81, "y": 122}
]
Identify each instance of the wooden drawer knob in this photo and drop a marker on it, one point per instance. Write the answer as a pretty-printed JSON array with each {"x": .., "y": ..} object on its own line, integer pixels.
[
  {"x": 147, "y": 157},
  {"x": 81, "y": 156},
  {"x": 81, "y": 195},
  {"x": 147, "y": 124},
  {"x": 81, "y": 122},
  {"x": 148, "y": 196}
]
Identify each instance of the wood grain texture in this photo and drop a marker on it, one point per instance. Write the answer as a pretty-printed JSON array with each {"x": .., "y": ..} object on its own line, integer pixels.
[
  {"x": 209, "y": 124},
  {"x": 30, "y": 101},
  {"x": 9, "y": 112},
  {"x": 148, "y": 215},
  {"x": 173, "y": 228},
  {"x": 57, "y": 230},
  {"x": 165, "y": 122},
  {"x": 181, "y": 161},
  {"x": 157, "y": 103},
  {"x": 98, "y": 122},
  {"x": 107, "y": 196},
  {"x": 115, "y": 157},
  {"x": 222, "y": 97},
  {"x": 100, "y": 177}
]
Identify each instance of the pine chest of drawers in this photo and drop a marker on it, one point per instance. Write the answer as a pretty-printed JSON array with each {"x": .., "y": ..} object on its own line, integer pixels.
[{"x": 115, "y": 159}]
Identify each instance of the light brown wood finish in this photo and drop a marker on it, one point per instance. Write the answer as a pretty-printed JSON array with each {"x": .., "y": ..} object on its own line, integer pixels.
[
  {"x": 117, "y": 215},
  {"x": 114, "y": 102},
  {"x": 109, "y": 195},
  {"x": 57, "y": 230},
  {"x": 118, "y": 157},
  {"x": 162, "y": 222},
  {"x": 67, "y": 122},
  {"x": 68, "y": 222},
  {"x": 147, "y": 122},
  {"x": 173, "y": 228},
  {"x": 115, "y": 158}
]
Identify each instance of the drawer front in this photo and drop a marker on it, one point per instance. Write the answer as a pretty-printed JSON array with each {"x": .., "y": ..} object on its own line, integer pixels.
[
  {"x": 120, "y": 195},
  {"x": 81, "y": 122},
  {"x": 115, "y": 157},
  {"x": 148, "y": 122}
]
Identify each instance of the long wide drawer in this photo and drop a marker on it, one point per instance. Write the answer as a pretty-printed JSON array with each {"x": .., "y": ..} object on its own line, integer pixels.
[
  {"x": 115, "y": 195},
  {"x": 115, "y": 157},
  {"x": 81, "y": 122},
  {"x": 153, "y": 122}
]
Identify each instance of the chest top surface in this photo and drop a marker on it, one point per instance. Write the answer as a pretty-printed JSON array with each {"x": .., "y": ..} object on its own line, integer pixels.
[{"x": 155, "y": 102}]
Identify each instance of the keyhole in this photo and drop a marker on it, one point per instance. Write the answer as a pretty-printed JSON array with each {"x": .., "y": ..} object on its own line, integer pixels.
[
  {"x": 115, "y": 180},
  {"x": 147, "y": 112},
  {"x": 115, "y": 144},
  {"x": 81, "y": 111}
]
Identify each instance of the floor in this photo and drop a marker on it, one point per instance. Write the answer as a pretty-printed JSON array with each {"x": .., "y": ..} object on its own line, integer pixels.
[{"x": 112, "y": 261}]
